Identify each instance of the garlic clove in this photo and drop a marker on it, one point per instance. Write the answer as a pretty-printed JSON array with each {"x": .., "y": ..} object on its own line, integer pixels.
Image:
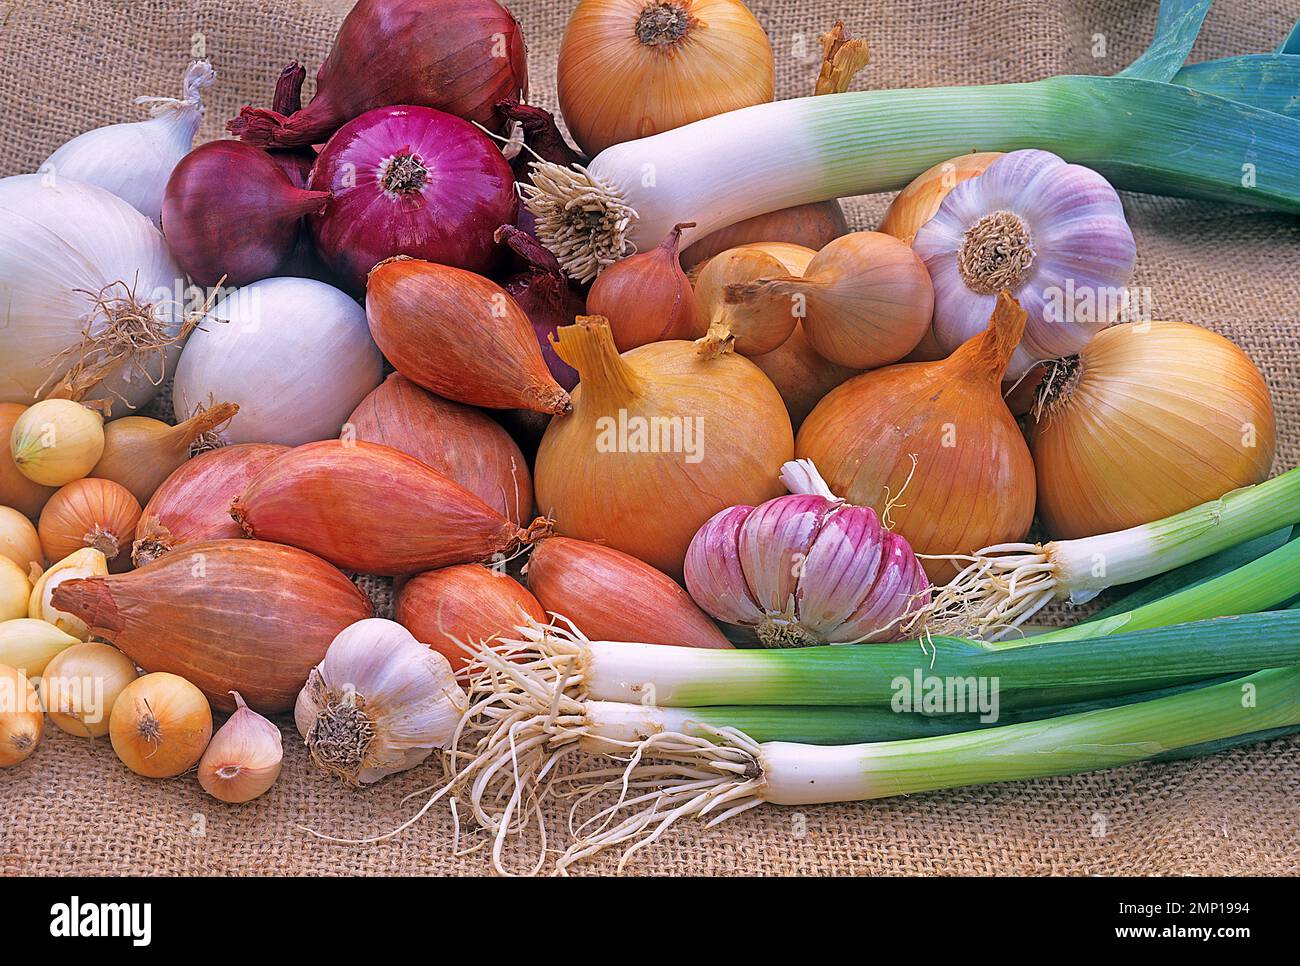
[
  {"x": 243, "y": 759},
  {"x": 713, "y": 573},
  {"x": 774, "y": 544},
  {"x": 900, "y": 588},
  {"x": 841, "y": 567}
]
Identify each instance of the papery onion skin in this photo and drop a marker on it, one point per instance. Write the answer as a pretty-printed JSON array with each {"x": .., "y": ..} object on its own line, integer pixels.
[
  {"x": 612, "y": 596},
  {"x": 459, "y": 56},
  {"x": 754, "y": 328},
  {"x": 21, "y": 727},
  {"x": 80, "y": 686},
  {"x": 468, "y": 603},
  {"x": 91, "y": 513},
  {"x": 698, "y": 58},
  {"x": 917, "y": 203},
  {"x": 16, "y": 490},
  {"x": 373, "y": 509},
  {"x": 973, "y": 484},
  {"x": 226, "y": 614},
  {"x": 459, "y": 335},
  {"x": 160, "y": 726},
  {"x": 601, "y": 474},
  {"x": 459, "y": 441},
  {"x": 541, "y": 136},
  {"x": 140, "y": 452},
  {"x": 647, "y": 297},
  {"x": 545, "y": 294},
  {"x": 410, "y": 181},
  {"x": 230, "y": 212},
  {"x": 1153, "y": 419},
  {"x": 813, "y": 225},
  {"x": 801, "y": 376},
  {"x": 193, "y": 504}
]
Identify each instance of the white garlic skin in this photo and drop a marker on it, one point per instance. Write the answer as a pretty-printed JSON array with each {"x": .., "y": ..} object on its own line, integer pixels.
[
  {"x": 1083, "y": 255},
  {"x": 405, "y": 692},
  {"x": 243, "y": 759}
]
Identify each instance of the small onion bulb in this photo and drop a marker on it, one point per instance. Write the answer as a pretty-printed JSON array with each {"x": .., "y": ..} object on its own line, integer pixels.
[
  {"x": 29, "y": 644},
  {"x": 87, "y": 562},
  {"x": 80, "y": 685},
  {"x": 160, "y": 725},
  {"x": 57, "y": 441},
  {"x": 1149, "y": 420},
  {"x": 15, "y": 590},
  {"x": 21, "y": 721},
  {"x": 19, "y": 540}
]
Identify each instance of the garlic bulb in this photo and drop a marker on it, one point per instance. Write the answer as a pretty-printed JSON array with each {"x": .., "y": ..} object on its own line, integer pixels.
[
  {"x": 806, "y": 569},
  {"x": 378, "y": 704},
  {"x": 243, "y": 758},
  {"x": 92, "y": 297},
  {"x": 134, "y": 160},
  {"x": 1051, "y": 233}
]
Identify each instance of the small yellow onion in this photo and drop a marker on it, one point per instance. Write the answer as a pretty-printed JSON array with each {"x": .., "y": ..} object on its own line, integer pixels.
[
  {"x": 15, "y": 590},
  {"x": 88, "y": 562},
  {"x": 932, "y": 447},
  {"x": 91, "y": 513},
  {"x": 753, "y": 327},
  {"x": 21, "y": 720},
  {"x": 243, "y": 759},
  {"x": 57, "y": 441},
  {"x": 140, "y": 453},
  {"x": 19, "y": 540},
  {"x": 81, "y": 684},
  {"x": 160, "y": 725},
  {"x": 29, "y": 644},
  {"x": 659, "y": 440},
  {"x": 632, "y": 68},
  {"x": 16, "y": 490},
  {"x": 864, "y": 301},
  {"x": 919, "y": 201},
  {"x": 1149, "y": 420}
]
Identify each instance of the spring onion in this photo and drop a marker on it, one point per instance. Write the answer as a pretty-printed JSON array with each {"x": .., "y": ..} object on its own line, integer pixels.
[
  {"x": 1139, "y": 129},
  {"x": 671, "y": 776},
  {"x": 1003, "y": 586}
]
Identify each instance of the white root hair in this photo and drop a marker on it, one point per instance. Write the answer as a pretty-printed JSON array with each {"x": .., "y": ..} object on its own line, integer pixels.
[
  {"x": 999, "y": 589},
  {"x": 581, "y": 218}
]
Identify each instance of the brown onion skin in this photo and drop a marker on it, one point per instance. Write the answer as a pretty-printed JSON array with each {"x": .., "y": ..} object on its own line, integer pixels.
[
  {"x": 90, "y": 513},
  {"x": 459, "y": 335},
  {"x": 193, "y": 504},
  {"x": 647, "y": 297},
  {"x": 813, "y": 225},
  {"x": 460, "y": 442},
  {"x": 16, "y": 490},
  {"x": 225, "y": 615},
  {"x": 431, "y": 53},
  {"x": 230, "y": 211},
  {"x": 468, "y": 602},
  {"x": 800, "y": 375},
  {"x": 371, "y": 508},
  {"x": 612, "y": 596}
]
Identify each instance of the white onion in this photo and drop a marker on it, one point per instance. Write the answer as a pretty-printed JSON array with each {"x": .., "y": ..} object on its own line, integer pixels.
[
  {"x": 134, "y": 160},
  {"x": 62, "y": 243},
  {"x": 295, "y": 355}
]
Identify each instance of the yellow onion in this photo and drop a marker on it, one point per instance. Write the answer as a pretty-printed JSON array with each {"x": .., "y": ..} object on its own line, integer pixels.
[
  {"x": 87, "y": 562},
  {"x": 81, "y": 684},
  {"x": 15, "y": 590},
  {"x": 57, "y": 441},
  {"x": 29, "y": 644},
  {"x": 647, "y": 297},
  {"x": 972, "y": 482},
  {"x": 91, "y": 513},
  {"x": 800, "y": 375},
  {"x": 919, "y": 201},
  {"x": 632, "y": 68},
  {"x": 659, "y": 440},
  {"x": 140, "y": 452},
  {"x": 753, "y": 327},
  {"x": 19, "y": 540},
  {"x": 1149, "y": 420},
  {"x": 160, "y": 725},
  {"x": 16, "y": 490},
  {"x": 864, "y": 301},
  {"x": 21, "y": 720}
]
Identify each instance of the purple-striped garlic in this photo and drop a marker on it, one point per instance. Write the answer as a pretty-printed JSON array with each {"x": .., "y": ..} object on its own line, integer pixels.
[
  {"x": 805, "y": 569},
  {"x": 1051, "y": 233}
]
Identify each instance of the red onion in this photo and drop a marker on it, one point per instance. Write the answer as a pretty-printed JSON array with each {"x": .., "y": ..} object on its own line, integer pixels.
[
  {"x": 544, "y": 293},
  {"x": 805, "y": 569},
  {"x": 459, "y": 56},
  {"x": 230, "y": 210},
  {"x": 410, "y": 181},
  {"x": 296, "y": 163}
]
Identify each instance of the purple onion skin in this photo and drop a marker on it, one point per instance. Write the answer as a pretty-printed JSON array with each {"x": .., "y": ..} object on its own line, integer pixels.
[
  {"x": 803, "y": 570},
  {"x": 544, "y": 294},
  {"x": 457, "y": 189}
]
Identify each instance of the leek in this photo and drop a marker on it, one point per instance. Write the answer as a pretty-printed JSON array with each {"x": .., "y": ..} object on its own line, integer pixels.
[
  {"x": 1139, "y": 129},
  {"x": 671, "y": 776},
  {"x": 1003, "y": 586}
]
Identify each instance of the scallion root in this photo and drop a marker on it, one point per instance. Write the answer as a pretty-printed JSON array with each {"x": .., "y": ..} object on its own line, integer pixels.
[{"x": 997, "y": 590}]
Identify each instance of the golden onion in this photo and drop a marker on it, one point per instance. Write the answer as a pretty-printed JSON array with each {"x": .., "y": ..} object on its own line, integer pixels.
[{"x": 1149, "y": 420}]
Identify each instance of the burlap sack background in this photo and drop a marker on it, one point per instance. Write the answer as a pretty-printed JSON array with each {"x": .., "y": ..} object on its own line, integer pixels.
[{"x": 72, "y": 808}]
